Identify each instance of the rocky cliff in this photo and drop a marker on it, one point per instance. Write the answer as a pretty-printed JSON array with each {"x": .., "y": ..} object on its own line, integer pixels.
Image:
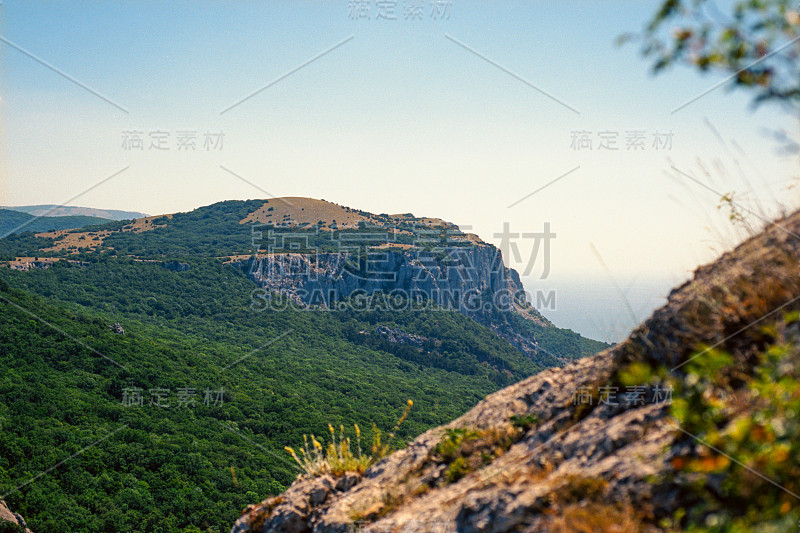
[
  {"x": 469, "y": 279},
  {"x": 691, "y": 422}
]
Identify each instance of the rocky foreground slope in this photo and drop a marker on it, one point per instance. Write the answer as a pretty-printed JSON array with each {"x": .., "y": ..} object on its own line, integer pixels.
[{"x": 693, "y": 421}]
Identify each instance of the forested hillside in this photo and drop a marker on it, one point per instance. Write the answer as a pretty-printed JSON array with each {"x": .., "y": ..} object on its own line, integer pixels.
[{"x": 177, "y": 466}]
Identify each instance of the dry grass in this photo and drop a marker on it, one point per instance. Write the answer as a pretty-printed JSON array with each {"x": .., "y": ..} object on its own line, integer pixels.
[
  {"x": 581, "y": 505},
  {"x": 73, "y": 241},
  {"x": 595, "y": 517},
  {"x": 144, "y": 224},
  {"x": 69, "y": 240},
  {"x": 341, "y": 455},
  {"x": 298, "y": 211}
]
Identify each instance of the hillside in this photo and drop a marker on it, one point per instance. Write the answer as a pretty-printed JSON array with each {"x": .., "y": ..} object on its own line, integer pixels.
[
  {"x": 192, "y": 465},
  {"x": 17, "y": 222},
  {"x": 690, "y": 424},
  {"x": 194, "y": 396},
  {"x": 423, "y": 260},
  {"x": 69, "y": 210}
]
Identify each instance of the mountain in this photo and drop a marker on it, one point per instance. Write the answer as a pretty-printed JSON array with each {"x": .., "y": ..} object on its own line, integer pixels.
[
  {"x": 18, "y": 222},
  {"x": 355, "y": 254},
  {"x": 70, "y": 211},
  {"x": 690, "y": 424},
  {"x": 152, "y": 365}
]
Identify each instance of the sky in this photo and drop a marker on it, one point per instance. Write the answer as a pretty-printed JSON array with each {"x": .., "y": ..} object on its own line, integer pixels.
[{"x": 468, "y": 113}]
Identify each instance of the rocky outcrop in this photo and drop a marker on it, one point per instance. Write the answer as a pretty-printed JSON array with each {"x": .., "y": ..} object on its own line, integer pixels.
[
  {"x": 460, "y": 281},
  {"x": 400, "y": 337},
  {"x": 175, "y": 266},
  {"x": 576, "y": 448},
  {"x": 31, "y": 263},
  {"x": 7, "y": 517},
  {"x": 469, "y": 279}
]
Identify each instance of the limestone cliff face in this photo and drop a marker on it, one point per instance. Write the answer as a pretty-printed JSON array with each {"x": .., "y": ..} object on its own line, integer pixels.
[
  {"x": 471, "y": 280},
  {"x": 552, "y": 453}
]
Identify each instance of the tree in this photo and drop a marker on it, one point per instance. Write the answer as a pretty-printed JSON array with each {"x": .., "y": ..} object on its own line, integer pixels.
[{"x": 755, "y": 42}]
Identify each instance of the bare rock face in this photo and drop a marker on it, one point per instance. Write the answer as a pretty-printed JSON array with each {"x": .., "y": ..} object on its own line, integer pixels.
[
  {"x": 471, "y": 280},
  {"x": 176, "y": 266},
  {"x": 6, "y": 516},
  {"x": 455, "y": 280},
  {"x": 400, "y": 337},
  {"x": 570, "y": 443}
]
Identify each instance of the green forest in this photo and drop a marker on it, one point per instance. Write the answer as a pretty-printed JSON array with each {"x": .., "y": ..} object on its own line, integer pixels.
[{"x": 192, "y": 467}]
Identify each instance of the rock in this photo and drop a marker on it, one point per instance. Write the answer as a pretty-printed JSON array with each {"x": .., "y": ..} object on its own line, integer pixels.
[
  {"x": 175, "y": 266},
  {"x": 7, "y": 516},
  {"x": 471, "y": 280},
  {"x": 400, "y": 337},
  {"x": 347, "y": 481}
]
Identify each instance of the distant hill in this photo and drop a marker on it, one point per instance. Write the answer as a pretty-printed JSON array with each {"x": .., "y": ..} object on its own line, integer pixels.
[
  {"x": 51, "y": 210},
  {"x": 12, "y": 221}
]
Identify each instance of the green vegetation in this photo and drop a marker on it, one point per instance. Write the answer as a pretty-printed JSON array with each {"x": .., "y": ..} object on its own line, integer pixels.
[
  {"x": 8, "y": 527},
  {"x": 743, "y": 473},
  {"x": 215, "y": 231},
  {"x": 557, "y": 344},
  {"x": 187, "y": 467},
  {"x": 211, "y": 297},
  {"x": 465, "y": 450}
]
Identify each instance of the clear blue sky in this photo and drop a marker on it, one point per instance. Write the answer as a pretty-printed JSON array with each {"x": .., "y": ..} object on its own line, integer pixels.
[{"x": 400, "y": 118}]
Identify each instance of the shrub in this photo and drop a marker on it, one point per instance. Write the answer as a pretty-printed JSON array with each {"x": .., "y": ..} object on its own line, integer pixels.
[{"x": 338, "y": 457}]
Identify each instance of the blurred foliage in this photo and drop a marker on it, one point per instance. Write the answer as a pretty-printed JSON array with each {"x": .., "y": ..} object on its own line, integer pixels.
[
  {"x": 755, "y": 42},
  {"x": 741, "y": 467}
]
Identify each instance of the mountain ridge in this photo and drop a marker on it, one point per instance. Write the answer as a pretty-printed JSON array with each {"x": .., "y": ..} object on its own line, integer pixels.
[
  {"x": 17, "y": 222},
  {"x": 53, "y": 210},
  {"x": 428, "y": 259}
]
